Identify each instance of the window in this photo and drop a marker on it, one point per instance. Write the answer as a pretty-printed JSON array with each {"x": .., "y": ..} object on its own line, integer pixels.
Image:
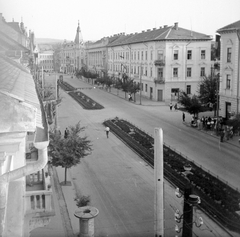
[
  {"x": 160, "y": 55},
  {"x": 145, "y": 71},
  {"x": 134, "y": 55},
  {"x": 146, "y": 54},
  {"x": 142, "y": 55},
  {"x": 146, "y": 87},
  {"x": 203, "y": 54},
  {"x": 188, "y": 89},
  {"x": 150, "y": 71},
  {"x": 151, "y": 55},
  {"x": 175, "y": 72},
  {"x": 175, "y": 55},
  {"x": 202, "y": 72},
  {"x": 228, "y": 81},
  {"x": 189, "y": 72},
  {"x": 160, "y": 73},
  {"x": 229, "y": 54},
  {"x": 138, "y": 55},
  {"x": 189, "y": 54}
]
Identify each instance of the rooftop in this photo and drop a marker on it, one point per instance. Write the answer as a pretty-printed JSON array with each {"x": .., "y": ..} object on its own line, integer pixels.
[
  {"x": 17, "y": 91},
  {"x": 232, "y": 26},
  {"x": 162, "y": 33}
]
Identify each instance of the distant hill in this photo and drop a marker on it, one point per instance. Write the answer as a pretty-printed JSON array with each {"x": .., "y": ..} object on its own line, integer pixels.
[{"x": 48, "y": 41}]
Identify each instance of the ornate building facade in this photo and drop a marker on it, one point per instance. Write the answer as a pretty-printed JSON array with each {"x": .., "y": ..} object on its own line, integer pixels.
[
  {"x": 229, "y": 91},
  {"x": 71, "y": 54}
]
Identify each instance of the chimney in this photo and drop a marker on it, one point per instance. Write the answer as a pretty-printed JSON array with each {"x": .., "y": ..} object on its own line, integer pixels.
[
  {"x": 176, "y": 25},
  {"x": 164, "y": 26}
]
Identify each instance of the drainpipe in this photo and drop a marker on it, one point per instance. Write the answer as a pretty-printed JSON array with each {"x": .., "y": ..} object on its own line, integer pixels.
[{"x": 20, "y": 173}]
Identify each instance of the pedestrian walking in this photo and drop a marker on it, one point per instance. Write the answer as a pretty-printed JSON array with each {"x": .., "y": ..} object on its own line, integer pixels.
[
  {"x": 183, "y": 117},
  {"x": 170, "y": 106},
  {"x": 175, "y": 106},
  {"x": 107, "y": 131},
  {"x": 66, "y": 133}
]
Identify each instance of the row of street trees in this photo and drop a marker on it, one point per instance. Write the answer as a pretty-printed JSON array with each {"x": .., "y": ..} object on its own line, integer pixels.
[{"x": 128, "y": 85}]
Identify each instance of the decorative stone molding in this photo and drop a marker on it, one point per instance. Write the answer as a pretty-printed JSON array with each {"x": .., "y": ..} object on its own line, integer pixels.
[{"x": 36, "y": 222}]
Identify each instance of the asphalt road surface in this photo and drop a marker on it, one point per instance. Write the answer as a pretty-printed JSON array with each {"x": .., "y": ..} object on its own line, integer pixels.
[
  {"x": 119, "y": 183},
  {"x": 222, "y": 159}
]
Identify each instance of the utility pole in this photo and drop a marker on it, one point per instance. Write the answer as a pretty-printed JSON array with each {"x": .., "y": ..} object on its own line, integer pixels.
[{"x": 158, "y": 183}]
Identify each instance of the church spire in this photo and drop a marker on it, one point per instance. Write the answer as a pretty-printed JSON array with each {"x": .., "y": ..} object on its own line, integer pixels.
[{"x": 78, "y": 38}]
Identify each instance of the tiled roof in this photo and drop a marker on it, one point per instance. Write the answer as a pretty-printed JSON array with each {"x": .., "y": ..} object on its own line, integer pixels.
[
  {"x": 233, "y": 26},
  {"x": 165, "y": 33},
  {"x": 17, "y": 84},
  {"x": 15, "y": 26},
  {"x": 8, "y": 43}
]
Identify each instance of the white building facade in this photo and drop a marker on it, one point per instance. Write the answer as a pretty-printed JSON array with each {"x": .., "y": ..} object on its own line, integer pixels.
[
  {"x": 230, "y": 70},
  {"x": 164, "y": 61},
  {"x": 45, "y": 61}
]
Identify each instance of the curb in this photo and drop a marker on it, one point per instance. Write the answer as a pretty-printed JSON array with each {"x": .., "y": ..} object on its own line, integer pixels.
[{"x": 213, "y": 135}]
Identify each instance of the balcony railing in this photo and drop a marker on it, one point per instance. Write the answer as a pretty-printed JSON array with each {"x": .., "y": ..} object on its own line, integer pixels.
[
  {"x": 159, "y": 62},
  {"x": 160, "y": 80},
  {"x": 38, "y": 196},
  {"x": 38, "y": 201}
]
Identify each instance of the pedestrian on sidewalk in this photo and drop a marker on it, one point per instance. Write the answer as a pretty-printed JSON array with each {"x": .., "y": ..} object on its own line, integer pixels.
[
  {"x": 107, "y": 131},
  {"x": 183, "y": 117},
  {"x": 170, "y": 106},
  {"x": 66, "y": 133},
  {"x": 175, "y": 106}
]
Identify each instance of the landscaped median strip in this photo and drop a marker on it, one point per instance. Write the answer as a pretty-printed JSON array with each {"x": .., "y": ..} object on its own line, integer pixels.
[
  {"x": 218, "y": 199},
  {"x": 85, "y": 101}
]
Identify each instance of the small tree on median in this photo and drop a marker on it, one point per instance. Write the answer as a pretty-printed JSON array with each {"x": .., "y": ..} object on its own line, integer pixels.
[{"x": 68, "y": 152}]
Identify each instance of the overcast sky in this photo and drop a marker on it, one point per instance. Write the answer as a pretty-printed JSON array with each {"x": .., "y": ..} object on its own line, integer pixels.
[{"x": 58, "y": 19}]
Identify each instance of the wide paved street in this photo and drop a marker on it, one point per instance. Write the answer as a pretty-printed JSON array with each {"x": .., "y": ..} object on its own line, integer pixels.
[
  {"x": 119, "y": 183},
  {"x": 222, "y": 159}
]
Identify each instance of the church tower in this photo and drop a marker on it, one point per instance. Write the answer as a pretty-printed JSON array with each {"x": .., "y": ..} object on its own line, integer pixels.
[
  {"x": 78, "y": 39},
  {"x": 78, "y": 49}
]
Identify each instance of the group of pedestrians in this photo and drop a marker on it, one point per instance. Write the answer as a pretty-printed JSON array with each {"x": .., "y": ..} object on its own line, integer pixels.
[
  {"x": 171, "y": 106},
  {"x": 212, "y": 124}
]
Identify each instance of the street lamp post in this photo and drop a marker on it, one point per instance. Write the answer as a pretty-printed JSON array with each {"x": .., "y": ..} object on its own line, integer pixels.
[{"x": 189, "y": 201}]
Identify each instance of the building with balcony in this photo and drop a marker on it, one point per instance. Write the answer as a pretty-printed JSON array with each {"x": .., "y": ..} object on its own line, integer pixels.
[
  {"x": 229, "y": 91},
  {"x": 163, "y": 60},
  {"x": 96, "y": 56},
  {"x": 71, "y": 54},
  {"x": 25, "y": 184}
]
